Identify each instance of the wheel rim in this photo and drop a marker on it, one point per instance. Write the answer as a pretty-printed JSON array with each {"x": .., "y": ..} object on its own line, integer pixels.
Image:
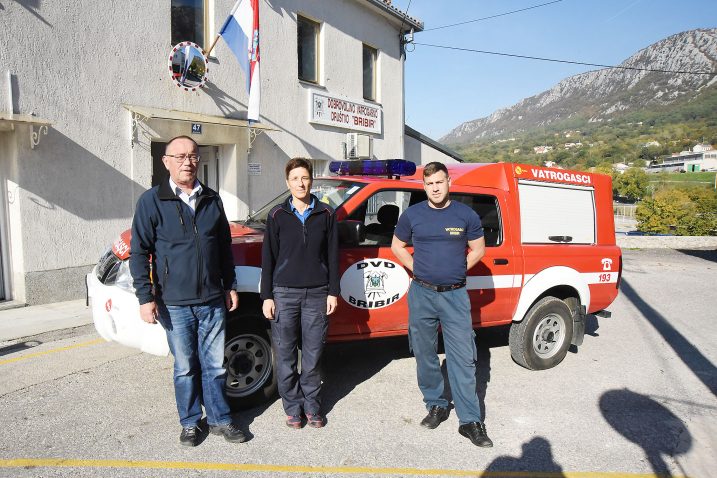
[
  {"x": 549, "y": 335},
  {"x": 247, "y": 359}
]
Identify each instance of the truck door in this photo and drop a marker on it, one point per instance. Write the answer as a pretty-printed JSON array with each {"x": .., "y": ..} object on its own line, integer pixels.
[
  {"x": 494, "y": 282},
  {"x": 373, "y": 281}
]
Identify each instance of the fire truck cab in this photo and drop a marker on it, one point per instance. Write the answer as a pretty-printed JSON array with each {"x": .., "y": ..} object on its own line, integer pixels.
[{"x": 550, "y": 260}]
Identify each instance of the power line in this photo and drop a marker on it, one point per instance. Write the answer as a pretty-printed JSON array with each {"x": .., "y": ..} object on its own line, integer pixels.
[
  {"x": 405, "y": 14},
  {"x": 710, "y": 73},
  {"x": 492, "y": 16}
]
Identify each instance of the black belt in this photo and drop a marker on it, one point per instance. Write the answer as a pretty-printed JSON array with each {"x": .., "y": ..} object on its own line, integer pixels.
[{"x": 440, "y": 288}]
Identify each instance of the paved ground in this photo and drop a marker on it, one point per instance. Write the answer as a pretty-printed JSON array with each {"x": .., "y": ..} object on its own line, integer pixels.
[{"x": 637, "y": 399}]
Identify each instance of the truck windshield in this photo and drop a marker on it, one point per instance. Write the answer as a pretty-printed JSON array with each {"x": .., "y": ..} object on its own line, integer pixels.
[{"x": 331, "y": 191}]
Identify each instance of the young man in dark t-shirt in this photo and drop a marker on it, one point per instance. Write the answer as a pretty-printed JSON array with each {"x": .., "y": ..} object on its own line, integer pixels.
[{"x": 440, "y": 230}]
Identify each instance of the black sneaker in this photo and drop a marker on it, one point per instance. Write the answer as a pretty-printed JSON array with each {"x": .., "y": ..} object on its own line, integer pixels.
[
  {"x": 189, "y": 436},
  {"x": 475, "y": 432},
  {"x": 231, "y": 432},
  {"x": 435, "y": 416}
]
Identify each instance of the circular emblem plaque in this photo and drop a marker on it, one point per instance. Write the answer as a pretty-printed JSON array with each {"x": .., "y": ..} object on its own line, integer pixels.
[{"x": 374, "y": 283}]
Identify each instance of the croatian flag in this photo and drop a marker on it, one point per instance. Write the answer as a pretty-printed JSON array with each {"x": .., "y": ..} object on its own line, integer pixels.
[{"x": 241, "y": 32}]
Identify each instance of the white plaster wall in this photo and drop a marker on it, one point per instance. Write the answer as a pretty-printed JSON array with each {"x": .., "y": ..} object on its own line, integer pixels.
[
  {"x": 346, "y": 25},
  {"x": 76, "y": 65},
  {"x": 421, "y": 153}
]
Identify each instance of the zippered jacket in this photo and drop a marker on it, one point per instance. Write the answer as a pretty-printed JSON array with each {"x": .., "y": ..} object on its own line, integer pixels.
[
  {"x": 191, "y": 254},
  {"x": 300, "y": 255}
]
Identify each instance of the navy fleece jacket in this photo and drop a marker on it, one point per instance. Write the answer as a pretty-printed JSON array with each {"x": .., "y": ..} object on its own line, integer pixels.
[
  {"x": 191, "y": 253},
  {"x": 300, "y": 255}
]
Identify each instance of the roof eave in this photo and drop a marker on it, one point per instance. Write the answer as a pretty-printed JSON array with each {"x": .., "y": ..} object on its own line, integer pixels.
[{"x": 397, "y": 15}]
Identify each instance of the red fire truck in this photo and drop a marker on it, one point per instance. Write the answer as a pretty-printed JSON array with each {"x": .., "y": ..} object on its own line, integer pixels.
[{"x": 550, "y": 260}]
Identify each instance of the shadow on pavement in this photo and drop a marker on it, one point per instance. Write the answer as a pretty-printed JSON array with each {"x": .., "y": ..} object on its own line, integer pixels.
[
  {"x": 19, "y": 347},
  {"x": 537, "y": 456},
  {"x": 347, "y": 365},
  {"x": 700, "y": 365},
  {"x": 648, "y": 424},
  {"x": 705, "y": 254}
]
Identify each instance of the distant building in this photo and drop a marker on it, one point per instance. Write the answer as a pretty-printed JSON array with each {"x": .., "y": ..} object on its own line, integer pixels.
[
  {"x": 700, "y": 148},
  {"x": 702, "y": 158},
  {"x": 620, "y": 167},
  {"x": 542, "y": 149},
  {"x": 573, "y": 145},
  {"x": 651, "y": 143}
]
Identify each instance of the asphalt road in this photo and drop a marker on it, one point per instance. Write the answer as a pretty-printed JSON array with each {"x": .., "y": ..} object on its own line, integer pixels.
[{"x": 637, "y": 399}]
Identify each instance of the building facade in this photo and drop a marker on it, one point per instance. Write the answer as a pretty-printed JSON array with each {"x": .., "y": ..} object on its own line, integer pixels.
[
  {"x": 87, "y": 104},
  {"x": 701, "y": 158}
]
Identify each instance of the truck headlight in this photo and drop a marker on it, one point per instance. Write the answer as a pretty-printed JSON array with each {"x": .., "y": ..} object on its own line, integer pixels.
[{"x": 123, "y": 279}]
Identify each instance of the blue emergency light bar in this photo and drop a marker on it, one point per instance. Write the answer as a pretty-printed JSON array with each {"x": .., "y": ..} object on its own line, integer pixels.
[{"x": 386, "y": 167}]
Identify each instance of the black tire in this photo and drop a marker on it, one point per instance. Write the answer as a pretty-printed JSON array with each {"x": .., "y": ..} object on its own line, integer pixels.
[
  {"x": 541, "y": 340},
  {"x": 249, "y": 360}
]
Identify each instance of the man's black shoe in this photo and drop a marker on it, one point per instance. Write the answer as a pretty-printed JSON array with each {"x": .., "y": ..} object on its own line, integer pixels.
[
  {"x": 475, "y": 432},
  {"x": 189, "y": 436},
  {"x": 231, "y": 432},
  {"x": 435, "y": 416}
]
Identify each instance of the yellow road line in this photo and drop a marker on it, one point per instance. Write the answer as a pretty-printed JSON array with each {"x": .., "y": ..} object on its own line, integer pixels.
[
  {"x": 249, "y": 467},
  {"x": 46, "y": 352}
]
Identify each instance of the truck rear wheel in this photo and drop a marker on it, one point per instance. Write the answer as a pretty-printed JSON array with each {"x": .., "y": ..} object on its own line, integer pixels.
[
  {"x": 541, "y": 340},
  {"x": 249, "y": 361}
]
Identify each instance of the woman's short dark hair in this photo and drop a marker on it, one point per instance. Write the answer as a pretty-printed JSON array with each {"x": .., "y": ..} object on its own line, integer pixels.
[
  {"x": 432, "y": 168},
  {"x": 299, "y": 163}
]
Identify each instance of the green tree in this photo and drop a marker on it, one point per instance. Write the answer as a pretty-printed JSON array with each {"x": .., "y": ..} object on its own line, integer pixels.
[
  {"x": 682, "y": 211},
  {"x": 663, "y": 211},
  {"x": 631, "y": 184}
]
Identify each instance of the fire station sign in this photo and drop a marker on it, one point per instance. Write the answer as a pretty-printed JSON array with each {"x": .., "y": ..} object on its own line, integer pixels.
[{"x": 342, "y": 113}]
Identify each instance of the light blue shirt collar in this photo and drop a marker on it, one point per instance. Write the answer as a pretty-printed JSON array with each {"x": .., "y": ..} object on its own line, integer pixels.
[{"x": 307, "y": 211}]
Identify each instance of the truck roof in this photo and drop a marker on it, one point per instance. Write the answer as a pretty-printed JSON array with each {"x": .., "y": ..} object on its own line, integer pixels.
[{"x": 496, "y": 175}]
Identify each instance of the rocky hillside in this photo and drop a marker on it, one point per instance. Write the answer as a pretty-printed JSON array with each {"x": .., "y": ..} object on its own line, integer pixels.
[{"x": 602, "y": 95}]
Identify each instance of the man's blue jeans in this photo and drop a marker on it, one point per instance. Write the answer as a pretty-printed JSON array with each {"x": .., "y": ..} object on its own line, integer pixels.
[
  {"x": 452, "y": 310},
  {"x": 196, "y": 338}
]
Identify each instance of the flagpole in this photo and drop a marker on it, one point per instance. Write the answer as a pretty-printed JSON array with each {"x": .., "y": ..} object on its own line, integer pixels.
[{"x": 212, "y": 46}]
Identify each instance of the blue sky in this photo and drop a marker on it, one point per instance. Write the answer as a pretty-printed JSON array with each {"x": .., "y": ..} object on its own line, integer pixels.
[{"x": 445, "y": 88}]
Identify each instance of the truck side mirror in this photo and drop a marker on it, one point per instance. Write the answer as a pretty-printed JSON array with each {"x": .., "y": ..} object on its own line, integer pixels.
[{"x": 351, "y": 233}]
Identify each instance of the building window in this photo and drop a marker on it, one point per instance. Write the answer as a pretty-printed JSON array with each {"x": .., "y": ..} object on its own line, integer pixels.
[
  {"x": 369, "y": 72},
  {"x": 188, "y": 21},
  {"x": 308, "y": 49}
]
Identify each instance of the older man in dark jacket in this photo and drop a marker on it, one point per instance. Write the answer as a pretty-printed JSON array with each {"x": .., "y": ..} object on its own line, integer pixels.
[{"x": 181, "y": 231}]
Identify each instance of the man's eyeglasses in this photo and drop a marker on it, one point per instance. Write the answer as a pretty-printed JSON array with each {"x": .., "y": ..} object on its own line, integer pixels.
[{"x": 181, "y": 158}]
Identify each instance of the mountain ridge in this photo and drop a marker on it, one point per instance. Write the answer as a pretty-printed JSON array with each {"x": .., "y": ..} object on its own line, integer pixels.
[{"x": 605, "y": 94}]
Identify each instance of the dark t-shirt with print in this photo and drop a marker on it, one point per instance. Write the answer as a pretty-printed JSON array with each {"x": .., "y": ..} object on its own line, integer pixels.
[{"x": 439, "y": 240}]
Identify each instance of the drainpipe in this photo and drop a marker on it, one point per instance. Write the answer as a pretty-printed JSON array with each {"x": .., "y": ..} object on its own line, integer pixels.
[{"x": 10, "y": 93}]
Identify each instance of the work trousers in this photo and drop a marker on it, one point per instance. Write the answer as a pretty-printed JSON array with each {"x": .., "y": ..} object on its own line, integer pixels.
[
  {"x": 196, "y": 338},
  {"x": 299, "y": 313},
  {"x": 452, "y": 310}
]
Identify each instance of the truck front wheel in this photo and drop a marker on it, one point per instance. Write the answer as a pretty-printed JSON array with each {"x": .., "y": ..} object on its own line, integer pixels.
[
  {"x": 249, "y": 360},
  {"x": 541, "y": 340}
]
